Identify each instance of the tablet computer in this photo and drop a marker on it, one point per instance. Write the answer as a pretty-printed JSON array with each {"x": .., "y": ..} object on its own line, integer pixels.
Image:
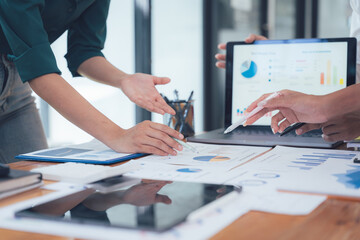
[
  {"x": 312, "y": 66},
  {"x": 148, "y": 205}
]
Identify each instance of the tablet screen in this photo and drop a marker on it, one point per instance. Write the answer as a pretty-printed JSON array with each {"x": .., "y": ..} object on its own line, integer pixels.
[
  {"x": 150, "y": 205},
  {"x": 308, "y": 66}
]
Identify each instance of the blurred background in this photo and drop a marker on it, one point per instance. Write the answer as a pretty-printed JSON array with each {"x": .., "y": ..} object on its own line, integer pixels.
[{"x": 178, "y": 39}]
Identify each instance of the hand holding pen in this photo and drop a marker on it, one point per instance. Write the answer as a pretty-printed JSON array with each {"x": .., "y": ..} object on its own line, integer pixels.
[
  {"x": 294, "y": 107},
  {"x": 252, "y": 113},
  {"x": 292, "y": 128}
]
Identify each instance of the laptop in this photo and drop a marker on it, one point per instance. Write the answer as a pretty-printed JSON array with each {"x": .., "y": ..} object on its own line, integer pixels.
[{"x": 312, "y": 66}]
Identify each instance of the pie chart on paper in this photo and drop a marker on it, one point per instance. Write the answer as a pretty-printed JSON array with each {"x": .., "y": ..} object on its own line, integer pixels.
[
  {"x": 248, "y": 69},
  {"x": 211, "y": 158}
]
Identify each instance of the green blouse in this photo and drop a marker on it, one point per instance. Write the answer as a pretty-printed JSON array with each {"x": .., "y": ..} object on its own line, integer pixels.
[{"x": 28, "y": 27}]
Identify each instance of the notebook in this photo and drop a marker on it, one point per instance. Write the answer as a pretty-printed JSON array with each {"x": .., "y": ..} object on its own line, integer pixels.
[
  {"x": 17, "y": 181},
  {"x": 312, "y": 66}
]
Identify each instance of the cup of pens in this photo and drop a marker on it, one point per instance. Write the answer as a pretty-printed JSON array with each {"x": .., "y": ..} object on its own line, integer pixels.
[{"x": 183, "y": 120}]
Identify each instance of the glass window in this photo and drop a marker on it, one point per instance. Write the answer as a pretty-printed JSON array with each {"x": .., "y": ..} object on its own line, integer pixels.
[
  {"x": 119, "y": 50},
  {"x": 284, "y": 19},
  {"x": 334, "y": 18},
  {"x": 177, "y": 51}
]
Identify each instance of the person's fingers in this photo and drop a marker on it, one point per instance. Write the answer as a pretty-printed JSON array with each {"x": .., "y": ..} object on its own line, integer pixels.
[
  {"x": 254, "y": 104},
  {"x": 161, "y": 80},
  {"x": 283, "y": 125},
  {"x": 148, "y": 105},
  {"x": 282, "y": 100},
  {"x": 256, "y": 117},
  {"x": 332, "y": 138},
  {"x": 306, "y": 128},
  {"x": 169, "y": 131},
  {"x": 289, "y": 115},
  {"x": 221, "y": 57},
  {"x": 331, "y": 129},
  {"x": 222, "y": 46},
  {"x": 161, "y": 104},
  {"x": 159, "y": 144},
  {"x": 220, "y": 64},
  {"x": 157, "y": 105},
  {"x": 164, "y": 138},
  {"x": 275, "y": 120},
  {"x": 252, "y": 37},
  {"x": 159, "y": 198},
  {"x": 152, "y": 150}
]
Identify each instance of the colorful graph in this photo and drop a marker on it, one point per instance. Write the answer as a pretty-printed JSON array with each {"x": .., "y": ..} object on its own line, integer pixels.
[
  {"x": 308, "y": 161},
  {"x": 211, "y": 158},
  {"x": 330, "y": 74},
  {"x": 248, "y": 69},
  {"x": 351, "y": 179},
  {"x": 240, "y": 112},
  {"x": 189, "y": 170}
]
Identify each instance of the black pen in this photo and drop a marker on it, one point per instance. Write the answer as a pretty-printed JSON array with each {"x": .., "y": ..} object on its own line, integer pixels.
[{"x": 292, "y": 127}]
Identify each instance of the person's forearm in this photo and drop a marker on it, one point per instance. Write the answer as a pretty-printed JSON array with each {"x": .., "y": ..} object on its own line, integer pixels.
[
  {"x": 69, "y": 103},
  {"x": 342, "y": 102},
  {"x": 100, "y": 70}
]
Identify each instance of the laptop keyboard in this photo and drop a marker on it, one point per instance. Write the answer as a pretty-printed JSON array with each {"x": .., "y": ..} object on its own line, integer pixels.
[{"x": 262, "y": 132}]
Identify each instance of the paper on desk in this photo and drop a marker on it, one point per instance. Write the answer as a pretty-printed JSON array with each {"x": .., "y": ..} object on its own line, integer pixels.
[
  {"x": 162, "y": 171},
  {"x": 225, "y": 156},
  {"x": 320, "y": 171},
  {"x": 259, "y": 187}
]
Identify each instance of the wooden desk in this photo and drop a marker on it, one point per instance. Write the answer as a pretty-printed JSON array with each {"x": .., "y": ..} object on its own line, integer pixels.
[{"x": 334, "y": 219}]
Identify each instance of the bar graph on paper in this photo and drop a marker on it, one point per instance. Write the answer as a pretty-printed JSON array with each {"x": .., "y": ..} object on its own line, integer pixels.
[{"x": 309, "y": 161}]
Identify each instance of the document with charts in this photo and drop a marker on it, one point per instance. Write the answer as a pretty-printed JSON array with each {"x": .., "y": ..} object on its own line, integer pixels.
[
  {"x": 211, "y": 155},
  {"x": 310, "y": 170}
]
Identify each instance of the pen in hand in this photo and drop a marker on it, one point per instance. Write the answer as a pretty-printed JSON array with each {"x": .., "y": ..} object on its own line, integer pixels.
[
  {"x": 186, "y": 145},
  {"x": 252, "y": 113},
  {"x": 291, "y": 128}
]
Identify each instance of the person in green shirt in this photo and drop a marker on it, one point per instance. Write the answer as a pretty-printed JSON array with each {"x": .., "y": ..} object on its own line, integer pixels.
[{"x": 27, "y": 28}]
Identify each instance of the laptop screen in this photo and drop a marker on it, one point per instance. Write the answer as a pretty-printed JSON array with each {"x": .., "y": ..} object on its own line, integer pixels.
[{"x": 311, "y": 66}]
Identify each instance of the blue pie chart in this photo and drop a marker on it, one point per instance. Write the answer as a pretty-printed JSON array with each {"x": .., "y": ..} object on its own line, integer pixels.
[{"x": 248, "y": 69}]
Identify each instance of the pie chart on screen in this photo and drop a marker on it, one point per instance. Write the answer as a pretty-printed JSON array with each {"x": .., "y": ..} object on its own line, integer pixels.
[{"x": 248, "y": 69}]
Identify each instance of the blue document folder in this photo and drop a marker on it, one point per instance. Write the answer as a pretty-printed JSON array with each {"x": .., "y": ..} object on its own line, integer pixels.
[{"x": 93, "y": 152}]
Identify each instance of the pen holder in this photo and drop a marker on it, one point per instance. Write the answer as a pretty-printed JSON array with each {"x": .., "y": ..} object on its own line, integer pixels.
[{"x": 183, "y": 120}]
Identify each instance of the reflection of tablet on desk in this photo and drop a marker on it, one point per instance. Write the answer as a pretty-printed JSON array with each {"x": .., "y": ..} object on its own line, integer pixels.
[{"x": 149, "y": 205}]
